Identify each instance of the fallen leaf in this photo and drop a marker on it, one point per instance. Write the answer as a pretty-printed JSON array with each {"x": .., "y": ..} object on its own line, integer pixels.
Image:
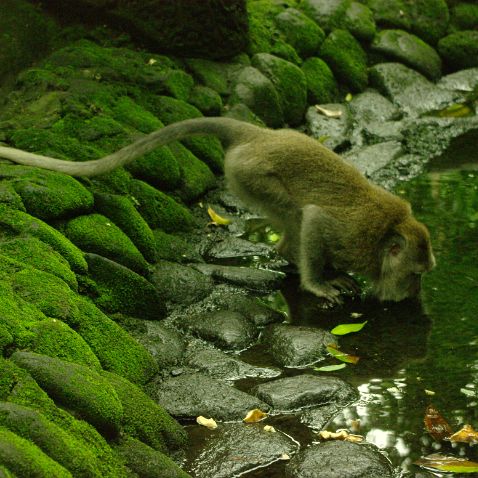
[
  {"x": 468, "y": 392},
  {"x": 429, "y": 392},
  {"x": 284, "y": 456},
  {"x": 466, "y": 435},
  {"x": 330, "y": 368},
  {"x": 436, "y": 425},
  {"x": 343, "y": 329},
  {"x": 348, "y": 97},
  {"x": 206, "y": 422},
  {"x": 356, "y": 315},
  {"x": 254, "y": 416},
  {"x": 216, "y": 218},
  {"x": 269, "y": 429},
  {"x": 342, "y": 356},
  {"x": 328, "y": 113},
  {"x": 340, "y": 435},
  {"x": 448, "y": 463}
]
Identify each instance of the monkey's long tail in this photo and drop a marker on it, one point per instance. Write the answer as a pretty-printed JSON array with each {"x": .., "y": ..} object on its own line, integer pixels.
[{"x": 226, "y": 129}]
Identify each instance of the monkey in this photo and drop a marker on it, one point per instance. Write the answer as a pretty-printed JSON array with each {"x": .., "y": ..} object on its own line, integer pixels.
[{"x": 332, "y": 218}]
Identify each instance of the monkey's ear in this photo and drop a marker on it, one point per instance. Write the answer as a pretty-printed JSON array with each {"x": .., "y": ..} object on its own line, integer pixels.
[{"x": 394, "y": 244}]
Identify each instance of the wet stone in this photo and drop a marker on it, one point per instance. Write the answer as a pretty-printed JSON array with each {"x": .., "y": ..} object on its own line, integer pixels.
[
  {"x": 382, "y": 131},
  {"x": 464, "y": 80},
  {"x": 233, "y": 449},
  {"x": 339, "y": 459},
  {"x": 317, "y": 418},
  {"x": 371, "y": 106},
  {"x": 253, "y": 279},
  {"x": 295, "y": 346},
  {"x": 224, "y": 366},
  {"x": 235, "y": 247},
  {"x": 224, "y": 328},
  {"x": 301, "y": 391},
  {"x": 193, "y": 394}
]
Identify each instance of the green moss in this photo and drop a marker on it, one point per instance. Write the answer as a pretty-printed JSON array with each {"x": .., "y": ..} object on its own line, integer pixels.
[
  {"x": 211, "y": 74},
  {"x": 360, "y": 22},
  {"x": 460, "y": 50},
  {"x": 285, "y": 51},
  {"x": 25, "y": 459},
  {"x": 130, "y": 113},
  {"x": 173, "y": 248},
  {"x": 176, "y": 83},
  {"x": 9, "y": 197},
  {"x": 158, "y": 209},
  {"x": 206, "y": 100},
  {"x": 76, "y": 387},
  {"x": 116, "y": 350},
  {"x": 346, "y": 59},
  {"x": 56, "y": 339},
  {"x": 144, "y": 419},
  {"x": 197, "y": 178},
  {"x": 321, "y": 84},
  {"x": 37, "y": 254},
  {"x": 116, "y": 182},
  {"x": 122, "y": 212},
  {"x": 464, "y": 16},
  {"x": 42, "y": 79},
  {"x": 147, "y": 462},
  {"x": 96, "y": 233}
]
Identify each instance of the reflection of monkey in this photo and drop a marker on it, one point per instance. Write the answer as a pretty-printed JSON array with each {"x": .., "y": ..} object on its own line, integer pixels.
[{"x": 330, "y": 215}]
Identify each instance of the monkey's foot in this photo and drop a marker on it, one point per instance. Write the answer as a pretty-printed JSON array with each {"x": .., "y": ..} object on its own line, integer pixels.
[
  {"x": 325, "y": 290},
  {"x": 345, "y": 283}
]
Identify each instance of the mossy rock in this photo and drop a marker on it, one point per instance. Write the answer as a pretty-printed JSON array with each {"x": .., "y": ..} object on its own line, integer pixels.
[
  {"x": 98, "y": 234},
  {"x": 300, "y": 31},
  {"x": 197, "y": 178},
  {"x": 119, "y": 289},
  {"x": 122, "y": 212},
  {"x": 55, "y": 442},
  {"x": 427, "y": 19},
  {"x": 463, "y": 16},
  {"x": 14, "y": 222},
  {"x": 206, "y": 100},
  {"x": 460, "y": 50},
  {"x": 321, "y": 84},
  {"x": 328, "y": 14},
  {"x": 257, "y": 92},
  {"x": 242, "y": 112},
  {"x": 290, "y": 83},
  {"x": 147, "y": 462},
  {"x": 206, "y": 148},
  {"x": 56, "y": 339},
  {"x": 158, "y": 209},
  {"x": 144, "y": 419},
  {"x": 23, "y": 458},
  {"x": 39, "y": 255},
  {"x": 9, "y": 197},
  {"x": 346, "y": 58},
  {"x": 47, "y": 194},
  {"x": 175, "y": 83},
  {"x": 210, "y": 73},
  {"x": 173, "y": 248},
  {"x": 410, "y": 50},
  {"x": 359, "y": 21},
  {"x": 130, "y": 113},
  {"x": 76, "y": 387}
]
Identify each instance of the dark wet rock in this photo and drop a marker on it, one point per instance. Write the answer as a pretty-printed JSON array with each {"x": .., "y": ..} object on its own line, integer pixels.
[
  {"x": 410, "y": 90},
  {"x": 332, "y": 132},
  {"x": 464, "y": 80},
  {"x": 460, "y": 50},
  {"x": 233, "y": 449},
  {"x": 290, "y": 83},
  {"x": 194, "y": 394},
  {"x": 346, "y": 58},
  {"x": 234, "y": 247},
  {"x": 339, "y": 459},
  {"x": 173, "y": 248},
  {"x": 380, "y": 132},
  {"x": 180, "y": 284},
  {"x": 321, "y": 84},
  {"x": 359, "y": 21},
  {"x": 258, "y": 93},
  {"x": 76, "y": 387},
  {"x": 295, "y": 346},
  {"x": 254, "y": 279},
  {"x": 119, "y": 289},
  {"x": 370, "y": 159},
  {"x": 305, "y": 391},
  {"x": 317, "y": 418},
  {"x": 371, "y": 106},
  {"x": 224, "y": 366},
  {"x": 402, "y": 46},
  {"x": 300, "y": 31},
  {"x": 224, "y": 328}
]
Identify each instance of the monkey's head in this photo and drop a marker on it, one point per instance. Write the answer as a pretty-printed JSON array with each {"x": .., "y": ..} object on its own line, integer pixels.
[{"x": 406, "y": 255}]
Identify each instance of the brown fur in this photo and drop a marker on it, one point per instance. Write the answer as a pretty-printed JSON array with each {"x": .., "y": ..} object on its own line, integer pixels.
[{"x": 331, "y": 216}]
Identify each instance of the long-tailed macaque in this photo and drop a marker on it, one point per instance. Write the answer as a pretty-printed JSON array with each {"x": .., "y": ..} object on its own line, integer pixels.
[{"x": 331, "y": 217}]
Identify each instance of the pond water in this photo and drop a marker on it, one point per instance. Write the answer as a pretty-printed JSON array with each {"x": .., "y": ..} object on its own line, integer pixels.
[{"x": 412, "y": 354}]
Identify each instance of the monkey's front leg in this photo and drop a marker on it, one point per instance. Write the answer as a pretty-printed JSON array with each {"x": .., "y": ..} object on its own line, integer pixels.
[{"x": 317, "y": 233}]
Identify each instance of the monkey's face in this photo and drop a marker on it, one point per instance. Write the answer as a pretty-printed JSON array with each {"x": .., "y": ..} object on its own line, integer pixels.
[{"x": 407, "y": 254}]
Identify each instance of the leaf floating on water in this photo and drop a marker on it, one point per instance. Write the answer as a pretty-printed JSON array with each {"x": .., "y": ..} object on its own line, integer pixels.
[
  {"x": 206, "y": 422},
  {"x": 466, "y": 435},
  {"x": 342, "y": 356},
  {"x": 330, "y": 368},
  {"x": 217, "y": 220},
  {"x": 458, "y": 110},
  {"x": 448, "y": 463},
  {"x": 436, "y": 425},
  {"x": 340, "y": 435},
  {"x": 343, "y": 329},
  {"x": 254, "y": 416},
  {"x": 328, "y": 113}
]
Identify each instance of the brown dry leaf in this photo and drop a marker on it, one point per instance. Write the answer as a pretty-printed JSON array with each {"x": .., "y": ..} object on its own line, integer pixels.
[
  {"x": 254, "y": 416},
  {"x": 340, "y": 435},
  {"x": 436, "y": 425},
  {"x": 206, "y": 422},
  {"x": 328, "y": 113},
  {"x": 217, "y": 220},
  {"x": 448, "y": 463},
  {"x": 466, "y": 435},
  {"x": 342, "y": 356}
]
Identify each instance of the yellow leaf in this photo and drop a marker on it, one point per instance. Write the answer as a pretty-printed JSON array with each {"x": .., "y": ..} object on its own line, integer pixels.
[
  {"x": 216, "y": 218},
  {"x": 254, "y": 416},
  {"x": 206, "y": 422},
  {"x": 466, "y": 435}
]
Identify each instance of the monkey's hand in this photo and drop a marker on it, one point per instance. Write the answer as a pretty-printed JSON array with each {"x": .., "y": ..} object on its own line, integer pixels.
[
  {"x": 326, "y": 290},
  {"x": 345, "y": 283}
]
